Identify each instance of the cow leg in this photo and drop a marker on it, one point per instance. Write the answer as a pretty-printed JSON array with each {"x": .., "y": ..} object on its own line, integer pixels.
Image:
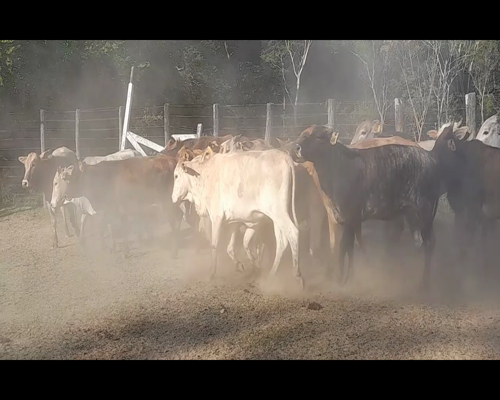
[
  {"x": 83, "y": 220},
  {"x": 175, "y": 217},
  {"x": 235, "y": 228},
  {"x": 487, "y": 232},
  {"x": 291, "y": 233},
  {"x": 52, "y": 214},
  {"x": 125, "y": 232},
  {"x": 280, "y": 249},
  {"x": 361, "y": 243},
  {"x": 429, "y": 242},
  {"x": 111, "y": 237},
  {"x": 334, "y": 229},
  {"x": 64, "y": 213},
  {"x": 216, "y": 230},
  {"x": 70, "y": 209},
  {"x": 247, "y": 238},
  {"x": 346, "y": 248}
]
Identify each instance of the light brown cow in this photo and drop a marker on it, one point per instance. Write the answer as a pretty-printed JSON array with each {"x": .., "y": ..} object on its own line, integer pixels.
[
  {"x": 39, "y": 171},
  {"x": 249, "y": 188}
]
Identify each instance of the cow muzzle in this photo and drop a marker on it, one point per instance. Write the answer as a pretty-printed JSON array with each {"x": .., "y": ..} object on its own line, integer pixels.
[{"x": 25, "y": 183}]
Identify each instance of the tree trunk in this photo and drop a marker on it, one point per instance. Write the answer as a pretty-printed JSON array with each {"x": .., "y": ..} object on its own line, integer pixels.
[{"x": 296, "y": 102}]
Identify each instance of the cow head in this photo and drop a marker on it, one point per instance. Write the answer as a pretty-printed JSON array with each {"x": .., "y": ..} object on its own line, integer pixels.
[
  {"x": 489, "y": 133},
  {"x": 172, "y": 144},
  {"x": 34, "y": 167},
  {"x": 185, "y": 154},
  {"x": 367, "y": 130},
  {"x": 183, "y": 184},
  {"x": 460, "y": 132},
  {"x": 448, "y": 149},
  {"x": 61, "y": 185},
  {"x": 313, "y": 142}
]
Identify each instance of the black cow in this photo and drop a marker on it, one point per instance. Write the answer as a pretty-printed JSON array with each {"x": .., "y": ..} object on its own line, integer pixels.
[
  {"x": 376, "y": 183},
  {"x": 469, "y": 171}
]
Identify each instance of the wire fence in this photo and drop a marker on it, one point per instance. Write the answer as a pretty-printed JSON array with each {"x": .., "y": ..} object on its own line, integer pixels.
[{"x": 99, "y": 129}]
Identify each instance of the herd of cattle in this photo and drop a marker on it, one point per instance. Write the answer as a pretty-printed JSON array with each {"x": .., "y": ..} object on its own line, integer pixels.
[{"x": 267, "y": 196}]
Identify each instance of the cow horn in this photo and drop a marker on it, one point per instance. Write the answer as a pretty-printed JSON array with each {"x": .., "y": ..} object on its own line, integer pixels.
[
  {"x": 334, "y": 138},
  {"x": 456, "y": 125},
  {"x": 46, "y": 153}
]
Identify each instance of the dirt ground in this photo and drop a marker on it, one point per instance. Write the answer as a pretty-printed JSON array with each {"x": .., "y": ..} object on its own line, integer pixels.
[{"x": 74, "y": 303}]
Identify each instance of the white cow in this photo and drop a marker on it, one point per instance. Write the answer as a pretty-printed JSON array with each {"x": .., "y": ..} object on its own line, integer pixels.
[
  {"x": 249, "y": 188},
  {"x": 489, "y": 133},
  {"x": 119, "y": 155}
]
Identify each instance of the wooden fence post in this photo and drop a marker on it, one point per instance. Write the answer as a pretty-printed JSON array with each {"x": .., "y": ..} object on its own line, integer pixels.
[
  {"x": 77, "y": 132},
  {"x": 269, "y": 123},
  {"x": 398, "y": 115},
  {"x": 470, "y": 113},
  {"x": 331, "y": 113},
  {"x": 120, "y": 125},
  {"x": 42, "y": 144},
  {"x": 128, "y": 105},
  {"x": 166, "y": 122},
  {"x": 216, "y": 121},
  {"x": 198, "y": 130}
]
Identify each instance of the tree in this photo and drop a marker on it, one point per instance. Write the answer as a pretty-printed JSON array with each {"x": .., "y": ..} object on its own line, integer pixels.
[
  {"x": 377, "y": 71},
  {"x": 418, "y": 70},
  {"x": 484, "y": 62},
  {"x": 289, "y": 57},
  {"x": 451, "y": 58}
]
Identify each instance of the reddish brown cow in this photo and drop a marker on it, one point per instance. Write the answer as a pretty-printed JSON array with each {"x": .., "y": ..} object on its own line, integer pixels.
[
  {"x": 174, "y": 145},
  {"x": 123, "y": 188}
]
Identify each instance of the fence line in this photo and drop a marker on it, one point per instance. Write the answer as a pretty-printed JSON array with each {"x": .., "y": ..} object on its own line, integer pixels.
[{"x": 99, "y": 129}]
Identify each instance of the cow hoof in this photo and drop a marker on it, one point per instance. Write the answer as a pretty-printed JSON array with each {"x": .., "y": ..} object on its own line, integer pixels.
[
  {"x": 240, "y": 267},
  {"x": 301, "y": 282}
]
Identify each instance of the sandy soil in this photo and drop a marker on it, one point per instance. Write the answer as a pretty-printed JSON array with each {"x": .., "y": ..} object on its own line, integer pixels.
[{"x": 74, "y": 303}]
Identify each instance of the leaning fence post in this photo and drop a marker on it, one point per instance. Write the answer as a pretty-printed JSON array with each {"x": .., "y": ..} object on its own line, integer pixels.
[
  {"x": 269, "y": 123},
  {"x": 470, "y": 113},
  {"x": 166, "y": 122},
  {"x": 331, "y": 113},
  {"x": 77, "y": 132},
  {"x": 398, "y": 115},
  {"x": 216, "y": 120},
  {"x": 42, "y": 143},
  {"x": 120, "y": 125},
  {"x": 128, "y": 105},
  {"x": 198, "y": 130}
]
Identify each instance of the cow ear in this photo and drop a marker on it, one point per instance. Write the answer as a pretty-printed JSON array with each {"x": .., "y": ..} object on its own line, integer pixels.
[
  {"x": 69, "y": 170},
  {"x": 207, "y": 154},
  {"x": 323, "y": 132},
  {"x": 451, "y": 145},
  {"x": 22, "y": 159},
  {"x": 334, "y": 138},
  {"x": 433, "y": 134},
  {"x": 376, "y": 126},
  {"x": 46, "y": 154},
  {"x": 462, "y": 133}
]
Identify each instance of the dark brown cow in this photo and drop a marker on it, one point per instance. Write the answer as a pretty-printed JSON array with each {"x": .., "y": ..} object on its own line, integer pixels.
[
  {"x": 39, "y": 171},
  {"x": 376, "y": 183},
  {"x": 123, "y": 188}
]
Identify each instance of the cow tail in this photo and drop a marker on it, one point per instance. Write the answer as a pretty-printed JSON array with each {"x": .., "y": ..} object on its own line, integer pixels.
[{"x": 295, "y": 220}]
